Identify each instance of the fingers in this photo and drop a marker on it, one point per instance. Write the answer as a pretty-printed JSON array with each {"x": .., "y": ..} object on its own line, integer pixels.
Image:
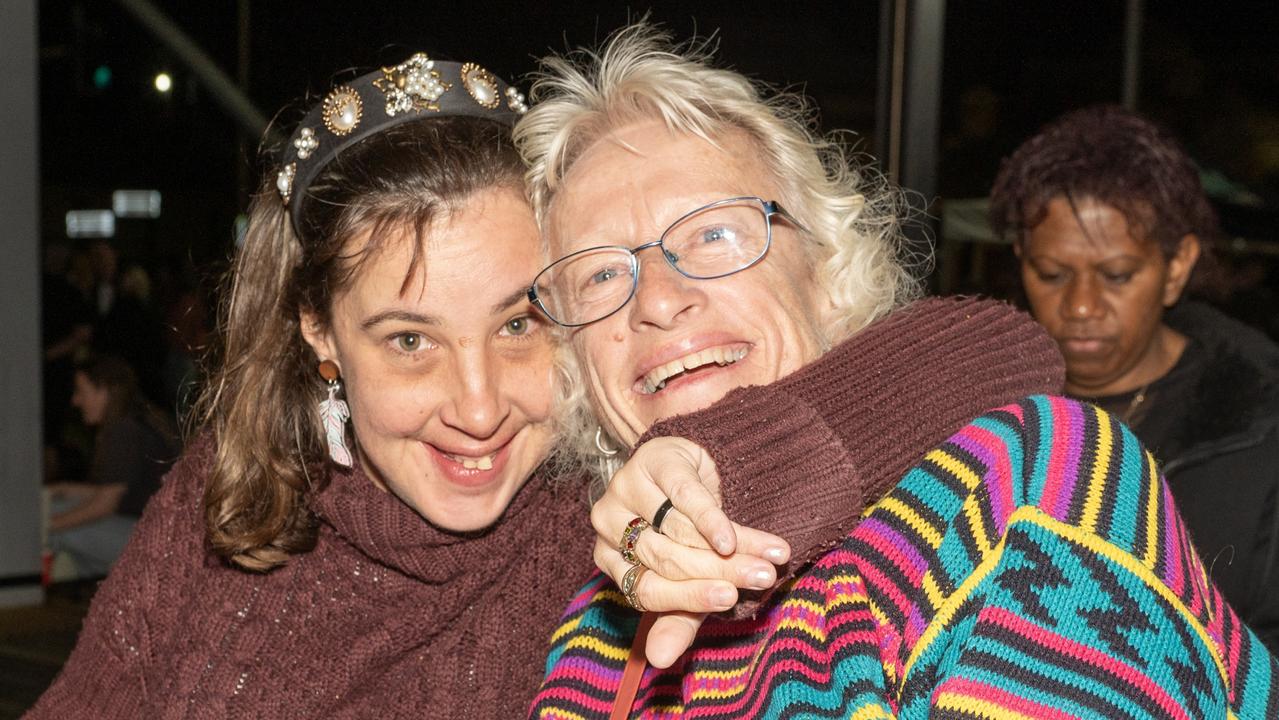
[
  {"x": 670, "y": 636},
  {"x": 661, "y": 594}
]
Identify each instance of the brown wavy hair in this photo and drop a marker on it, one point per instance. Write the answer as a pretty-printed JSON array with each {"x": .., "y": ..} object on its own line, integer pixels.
[
  {"x": 1113, "y": 156},
  {"x": 260, "y": 404}
]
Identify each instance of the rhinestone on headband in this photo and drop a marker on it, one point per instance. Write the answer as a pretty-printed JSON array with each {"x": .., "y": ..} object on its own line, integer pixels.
[
  {"x": 343, "y": 109},
  {"x": 403, "y": 91},
  {"x": 412, "y": 85},
  {"x": 305, "y": 143},
  {"x": 481, "y": 84}
]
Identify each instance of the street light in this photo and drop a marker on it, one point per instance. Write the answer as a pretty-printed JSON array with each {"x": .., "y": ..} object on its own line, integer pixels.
[{"x": 163, "y": 82}]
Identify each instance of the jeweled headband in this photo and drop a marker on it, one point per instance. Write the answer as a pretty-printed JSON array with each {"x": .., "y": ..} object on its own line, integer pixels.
[{"x": 416, "y": 88}]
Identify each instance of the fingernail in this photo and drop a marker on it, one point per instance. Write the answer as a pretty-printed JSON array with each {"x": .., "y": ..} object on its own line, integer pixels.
[
  {"x": 723, "y": 544},
  {"x": 775, "y": 555},
  {"x": 723, "y": 598},
  {"x": 759, "y": 578}
]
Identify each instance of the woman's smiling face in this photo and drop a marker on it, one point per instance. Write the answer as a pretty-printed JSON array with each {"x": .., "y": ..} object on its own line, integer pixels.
[
  {"x": 448, "y": 375},
  {"x": 680, "y": 344}
]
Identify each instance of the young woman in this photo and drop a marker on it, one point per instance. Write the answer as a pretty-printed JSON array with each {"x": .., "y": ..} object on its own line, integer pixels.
[
  {"x": 366, "y": 525},
  {"x": 134, "y": 446}
]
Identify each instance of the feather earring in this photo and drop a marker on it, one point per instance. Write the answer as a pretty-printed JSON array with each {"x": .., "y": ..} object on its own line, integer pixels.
[{"x": 333, "y": 414}]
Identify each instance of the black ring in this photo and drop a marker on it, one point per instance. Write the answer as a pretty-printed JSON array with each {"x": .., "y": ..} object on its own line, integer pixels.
[{"x": 660, "y": 515}]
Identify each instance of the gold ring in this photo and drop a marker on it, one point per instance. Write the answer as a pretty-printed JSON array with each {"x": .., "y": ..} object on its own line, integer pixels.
[
  {"x": 629, "y": 537},
  {"x": 629, "y": 581}
]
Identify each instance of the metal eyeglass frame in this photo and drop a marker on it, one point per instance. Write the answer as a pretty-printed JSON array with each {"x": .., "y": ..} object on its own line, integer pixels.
[{"x": 770, "y": 207}]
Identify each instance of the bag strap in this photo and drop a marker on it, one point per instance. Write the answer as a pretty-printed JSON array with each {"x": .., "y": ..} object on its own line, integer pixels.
[{"x": 634, "y": 672}]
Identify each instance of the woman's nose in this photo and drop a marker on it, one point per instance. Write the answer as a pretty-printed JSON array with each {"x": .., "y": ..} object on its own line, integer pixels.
[
  {"x": 477, "y": 405},
  {"x": 1082, "y": 300},
  {"x": 663, "y": 296}
]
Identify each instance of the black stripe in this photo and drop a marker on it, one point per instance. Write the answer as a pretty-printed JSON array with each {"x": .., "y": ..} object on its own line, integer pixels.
[{"x": 17, "y": 580}]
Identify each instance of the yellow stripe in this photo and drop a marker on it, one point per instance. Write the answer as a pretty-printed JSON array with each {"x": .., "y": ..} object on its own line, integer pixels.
[
  {"x": 982, "y": 708},
  {"x": 871, "y": 712},
  {"x": 1151, "y": 508},
  {"x": 931, "y": 591},
  {"x": 972, "y": 511},
  {"x": 1035, "y": 516},
  {"x": 1100, "y": 466},
  {"x": 953, "y": 466},
  {"x": 912, "y": 520},
  {"x": 560, "y": 713}
]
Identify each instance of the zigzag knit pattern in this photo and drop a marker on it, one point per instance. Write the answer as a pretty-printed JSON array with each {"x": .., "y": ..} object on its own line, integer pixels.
[{"x": 1032, "y": 566}]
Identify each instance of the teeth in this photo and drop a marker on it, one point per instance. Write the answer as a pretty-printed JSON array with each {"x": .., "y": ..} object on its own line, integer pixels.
[
  {"x": 483, "y": 463},
  {"x": 656, "y": 378}
]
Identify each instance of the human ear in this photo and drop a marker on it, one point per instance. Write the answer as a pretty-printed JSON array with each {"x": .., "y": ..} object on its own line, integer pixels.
[
  {"x": 1180, "y": 266},
  {"x": 318, "y": 335}
]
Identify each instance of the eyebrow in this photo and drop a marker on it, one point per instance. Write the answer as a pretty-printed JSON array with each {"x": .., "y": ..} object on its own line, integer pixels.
[
  {"x": 507, "y": 302},
  {"x": 421, "y": 319}
]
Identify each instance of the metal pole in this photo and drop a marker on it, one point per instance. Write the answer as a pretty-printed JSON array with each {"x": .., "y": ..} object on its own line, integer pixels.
[
  {"x": 21, "y": 455},
  {"x": 221, "y": 87},
  {"x": 1132, "y": 53}
]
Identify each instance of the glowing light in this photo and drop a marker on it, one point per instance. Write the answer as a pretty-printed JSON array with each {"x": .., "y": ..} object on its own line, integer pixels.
[{"x": 163, "y": 82}]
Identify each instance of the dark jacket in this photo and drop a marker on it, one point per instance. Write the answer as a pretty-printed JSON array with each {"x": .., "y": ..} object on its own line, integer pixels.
[{"x": 1226, "y": 479}]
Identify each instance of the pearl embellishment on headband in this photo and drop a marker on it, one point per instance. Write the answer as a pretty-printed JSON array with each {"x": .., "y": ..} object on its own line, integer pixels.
[
  {"x": 515, "y": 101},
  {"x": 342, "y": 110},
  {"x": 412, "y": 85},
  {"x": 306, "y": 143},
  {"x": 284, "y": 180},
  {"x": 481, "y": 84}
]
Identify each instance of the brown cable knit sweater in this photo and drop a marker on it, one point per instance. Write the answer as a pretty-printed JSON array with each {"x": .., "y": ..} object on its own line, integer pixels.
[
  {"x": 386, "y": 618},
  {"x": 389, "y": 618}
]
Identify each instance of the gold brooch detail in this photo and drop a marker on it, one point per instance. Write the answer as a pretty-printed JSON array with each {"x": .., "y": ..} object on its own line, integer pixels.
[
  {"x": 414, "y": 85},
  {"x": 481, "y": 84},
  {"x": 342, "y": 110}
]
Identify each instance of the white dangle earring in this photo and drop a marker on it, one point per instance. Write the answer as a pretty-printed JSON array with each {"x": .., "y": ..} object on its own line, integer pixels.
[
  {"x": 333, "y": 414},
  {"x": 599, "y": 443}
]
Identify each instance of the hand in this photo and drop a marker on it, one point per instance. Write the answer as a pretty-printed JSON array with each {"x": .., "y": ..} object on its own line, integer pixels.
[{"x": 687, "y": 578}]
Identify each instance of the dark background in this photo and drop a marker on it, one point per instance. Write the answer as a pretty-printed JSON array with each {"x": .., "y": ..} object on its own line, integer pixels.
[{"x": 1209, "y": 71}]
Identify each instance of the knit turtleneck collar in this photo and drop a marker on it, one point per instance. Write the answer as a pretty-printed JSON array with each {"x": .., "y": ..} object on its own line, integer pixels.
[{"x": 391, "y": 533}]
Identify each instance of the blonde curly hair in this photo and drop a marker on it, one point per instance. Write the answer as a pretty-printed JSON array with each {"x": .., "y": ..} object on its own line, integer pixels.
[{"x": 851, "y": 212}]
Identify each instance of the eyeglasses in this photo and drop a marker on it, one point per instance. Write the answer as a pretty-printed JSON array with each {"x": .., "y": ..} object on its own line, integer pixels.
[{"x": 713, "y": 241}]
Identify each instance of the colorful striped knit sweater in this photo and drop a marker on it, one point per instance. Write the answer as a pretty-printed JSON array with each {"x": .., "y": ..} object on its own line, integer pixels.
[{"x": 1032, "y": 565}]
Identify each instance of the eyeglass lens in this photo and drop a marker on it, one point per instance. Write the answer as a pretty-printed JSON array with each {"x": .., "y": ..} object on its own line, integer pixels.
[{"x": 712, "y": 242}]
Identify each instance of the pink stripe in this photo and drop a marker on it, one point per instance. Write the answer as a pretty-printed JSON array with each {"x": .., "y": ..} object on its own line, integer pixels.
[
  {"x": 1086, "y": 655},
  {"x": 991, "y": 450},
  {"x": 988, "y": 695},
  {"x": 1057, "y": 459}
]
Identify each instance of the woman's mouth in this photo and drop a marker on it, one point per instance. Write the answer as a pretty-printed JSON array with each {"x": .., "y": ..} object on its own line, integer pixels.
[
  {"x": 656, "y": 379},
  {"x": 467, "y": 469}
]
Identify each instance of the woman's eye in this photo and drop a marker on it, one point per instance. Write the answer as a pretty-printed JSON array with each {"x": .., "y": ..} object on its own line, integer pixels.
[
  {"x": 603, "y": 276},
  {"x": 409, "y": 342},
  {"x": 716, "y": 234},
  {"x": 1118, "y": 278},
  {"x": 517, "y": 326}
]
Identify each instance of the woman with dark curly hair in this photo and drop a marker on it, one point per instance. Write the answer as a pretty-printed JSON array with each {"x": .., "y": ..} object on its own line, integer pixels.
[{"x": 1108, "y": 218}]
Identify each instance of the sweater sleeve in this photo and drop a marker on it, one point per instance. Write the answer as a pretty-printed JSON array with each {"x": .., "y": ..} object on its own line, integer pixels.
[
  {"x": 110, "y": 671},
  {"x": 1059, "y": 581},
  {"x": 805, "y": 456}
]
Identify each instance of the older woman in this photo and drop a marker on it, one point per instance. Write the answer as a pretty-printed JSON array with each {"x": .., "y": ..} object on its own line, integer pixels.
[
  {"x": 1107, "y": 217},
  {"x": 1029, "y": 565}
]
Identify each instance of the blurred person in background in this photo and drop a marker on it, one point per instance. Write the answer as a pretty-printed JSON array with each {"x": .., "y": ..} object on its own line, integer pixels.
[
  {"x": 133, "y": 447},
  {"x": 1109, "y": 221}
]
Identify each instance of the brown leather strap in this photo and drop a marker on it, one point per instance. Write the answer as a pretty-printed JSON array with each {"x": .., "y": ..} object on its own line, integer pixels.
[{"x": 634, "y": 672}]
